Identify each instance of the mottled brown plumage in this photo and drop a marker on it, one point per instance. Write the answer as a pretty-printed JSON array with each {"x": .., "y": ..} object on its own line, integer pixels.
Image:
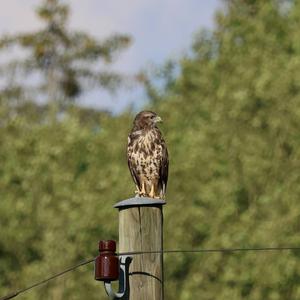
[{"x": 147, "y": 156}]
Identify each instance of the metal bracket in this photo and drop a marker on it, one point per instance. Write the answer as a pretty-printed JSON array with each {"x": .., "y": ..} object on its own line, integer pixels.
[{"x": 123, "y": 280}]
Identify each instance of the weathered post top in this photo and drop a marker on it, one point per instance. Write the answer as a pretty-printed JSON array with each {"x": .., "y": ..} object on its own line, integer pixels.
[
  {"x": 139, "y": 201},
  {"x": 141, "y": 229}
]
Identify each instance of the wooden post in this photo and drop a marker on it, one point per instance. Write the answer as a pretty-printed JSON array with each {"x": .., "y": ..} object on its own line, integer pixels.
[{"x": 141, "y": 229}]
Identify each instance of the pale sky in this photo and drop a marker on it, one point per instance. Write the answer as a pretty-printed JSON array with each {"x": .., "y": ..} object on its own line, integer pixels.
[{"x": 160, "y": 29}]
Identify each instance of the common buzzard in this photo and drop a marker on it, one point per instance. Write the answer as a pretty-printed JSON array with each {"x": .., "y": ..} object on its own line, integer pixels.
[{"x": 147, "y": 156}]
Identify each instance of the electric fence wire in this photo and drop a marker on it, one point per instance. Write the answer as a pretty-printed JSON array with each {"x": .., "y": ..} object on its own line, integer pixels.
[
  {"x": 15, "y": 294},
  {"x": 132, "y": 253}
]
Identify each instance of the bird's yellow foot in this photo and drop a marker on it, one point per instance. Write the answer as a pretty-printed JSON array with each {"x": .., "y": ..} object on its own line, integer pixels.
[
  {"x": 137, "y": 191},
  {"x": 142, "y": 192},
  {"x": 152, "y": 193}
]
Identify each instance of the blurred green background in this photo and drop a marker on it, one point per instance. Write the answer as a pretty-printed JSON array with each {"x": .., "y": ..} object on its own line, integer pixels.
[{"x": 232, "y": 124}]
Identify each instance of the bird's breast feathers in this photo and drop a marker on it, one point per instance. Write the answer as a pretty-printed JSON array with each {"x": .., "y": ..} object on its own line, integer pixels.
[
  {"x": 146, "y": 142},
  {"x": 145, "y": 152}
]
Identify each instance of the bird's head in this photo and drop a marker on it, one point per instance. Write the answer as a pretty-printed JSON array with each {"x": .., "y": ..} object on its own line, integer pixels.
[{"x": 146, "y": 119}]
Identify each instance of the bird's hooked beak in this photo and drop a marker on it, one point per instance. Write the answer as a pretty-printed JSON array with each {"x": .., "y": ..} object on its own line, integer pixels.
[{"x": 158, "y": 119}]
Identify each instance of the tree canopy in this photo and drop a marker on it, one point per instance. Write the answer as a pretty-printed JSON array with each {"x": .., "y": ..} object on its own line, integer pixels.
[
  {"x": 233, "y": 132},
  {"x": 66, "y": 62}
]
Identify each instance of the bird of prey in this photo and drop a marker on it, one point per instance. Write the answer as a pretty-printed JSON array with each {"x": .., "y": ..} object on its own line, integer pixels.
[{"x": 147, "y": 156}]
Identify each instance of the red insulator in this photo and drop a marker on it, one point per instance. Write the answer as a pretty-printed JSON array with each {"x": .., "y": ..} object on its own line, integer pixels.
[{"x": 107, "y": 263}]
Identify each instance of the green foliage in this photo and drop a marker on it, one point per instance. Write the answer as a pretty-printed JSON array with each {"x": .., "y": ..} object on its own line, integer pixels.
[
  {"x": 233, "y": 130},
  {"x": 57, "y": 196},
  {"x": 233, "y": 133}
]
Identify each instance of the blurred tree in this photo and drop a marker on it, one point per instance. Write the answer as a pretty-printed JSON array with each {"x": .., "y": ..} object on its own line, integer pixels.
[
  {"x": 233, "y": 133},
  {"x": 69, "y": 61},
  {"x": 231, "y": 111}
]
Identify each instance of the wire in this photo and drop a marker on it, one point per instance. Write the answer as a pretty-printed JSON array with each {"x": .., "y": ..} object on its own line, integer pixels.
[
  {"x": 222, "y": 250},
  {"x": 14, "y": 294},
  {"x": 216, "y": 250}
]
